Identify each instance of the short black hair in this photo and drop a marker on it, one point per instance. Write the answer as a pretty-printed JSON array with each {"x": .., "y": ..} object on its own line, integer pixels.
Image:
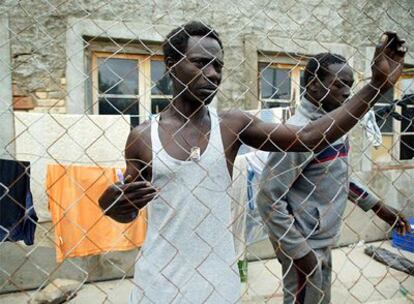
[
  {"x": 318, "y": 66},
  {"x": 175, "y": 43}
]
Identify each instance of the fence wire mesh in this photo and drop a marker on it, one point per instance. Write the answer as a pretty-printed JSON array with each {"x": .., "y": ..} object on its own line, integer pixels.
[{"x": 119, "y": 185}]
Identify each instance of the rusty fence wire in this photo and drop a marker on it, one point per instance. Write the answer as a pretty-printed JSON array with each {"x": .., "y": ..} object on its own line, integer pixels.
[{"x": 76, "y": 77}]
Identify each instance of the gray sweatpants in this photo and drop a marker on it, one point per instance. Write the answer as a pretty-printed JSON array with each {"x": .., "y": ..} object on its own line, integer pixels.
[{"x": 297, "y": 288}]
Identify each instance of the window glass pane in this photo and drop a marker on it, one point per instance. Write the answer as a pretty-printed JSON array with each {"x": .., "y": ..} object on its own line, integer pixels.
[
  {"x": 160, "y": 80},
  {"x": 158, "y": 104},
  {"x": 387, "y": 97},
  {"x": 407, "y": 121},
  {"x": 384, "y": 119},
  {"x": 275, "y": 83},
  {"x": 382, "y": 111},
  {"x": 407, "y": 147},
  {"x": 120, "y": 106},
  {"x": 407, "y": 105},
  {"x": 118, "y": 76},
  {"x": 407, "y": 86}
]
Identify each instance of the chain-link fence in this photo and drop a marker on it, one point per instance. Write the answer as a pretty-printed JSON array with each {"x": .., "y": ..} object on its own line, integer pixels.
[{"x": 198, "y": 213}]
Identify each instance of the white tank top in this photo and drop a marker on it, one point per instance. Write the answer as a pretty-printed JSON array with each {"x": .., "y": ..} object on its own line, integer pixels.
[{"x": 188, "y": 255}]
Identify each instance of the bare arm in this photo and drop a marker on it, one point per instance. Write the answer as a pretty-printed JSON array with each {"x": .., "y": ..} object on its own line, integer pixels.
[
  {"x": 392, "y": 217},
  {"x": 386, "y": 69},
  {"x": 369, "y": 201},
  {"x": 122, "y": 201}
]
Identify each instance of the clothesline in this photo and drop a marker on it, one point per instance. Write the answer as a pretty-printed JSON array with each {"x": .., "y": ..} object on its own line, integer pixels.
[
  {"x": 80, "y": 227},
  {"x": 70, "y": 161}
]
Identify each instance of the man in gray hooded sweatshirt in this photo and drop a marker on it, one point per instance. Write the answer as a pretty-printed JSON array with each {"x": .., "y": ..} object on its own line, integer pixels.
[{"x": 303, "y": 195}]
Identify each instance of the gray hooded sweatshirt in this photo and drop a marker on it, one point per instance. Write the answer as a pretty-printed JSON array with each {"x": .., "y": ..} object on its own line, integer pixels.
[{"x": 302, "y": 196}]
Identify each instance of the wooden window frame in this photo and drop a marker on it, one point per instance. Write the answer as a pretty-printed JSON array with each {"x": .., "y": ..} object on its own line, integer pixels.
[
  {"x": 294, "y": 76},
  {"x": 144, "y": 80}
]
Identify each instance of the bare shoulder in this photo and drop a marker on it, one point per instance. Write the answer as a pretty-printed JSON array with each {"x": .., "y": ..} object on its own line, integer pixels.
[
  {"x": 236, "y": 119},
  {"x": 141, "y": 133},
  {"x": 139, "y": 141}
]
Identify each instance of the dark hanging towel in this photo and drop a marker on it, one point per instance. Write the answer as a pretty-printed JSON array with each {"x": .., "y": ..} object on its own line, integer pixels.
[{"x": 17, "y": 215}]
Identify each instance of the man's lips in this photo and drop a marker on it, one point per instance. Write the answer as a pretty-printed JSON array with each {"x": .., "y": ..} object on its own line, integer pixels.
[{"x": 208, "y": 90}]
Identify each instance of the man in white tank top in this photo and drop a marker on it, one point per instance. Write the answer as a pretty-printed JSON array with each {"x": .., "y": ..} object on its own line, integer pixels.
[{"x": 179, "y": 166}]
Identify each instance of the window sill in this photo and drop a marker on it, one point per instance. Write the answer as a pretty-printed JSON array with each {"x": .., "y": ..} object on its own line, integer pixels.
[{"x": 394, "y": 165}]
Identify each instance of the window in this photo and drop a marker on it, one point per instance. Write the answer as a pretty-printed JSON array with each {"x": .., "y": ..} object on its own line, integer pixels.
[
  {"x": 385, "y": 122},
  {"x": 384, "y": 119},
  {"x": 280, "y": 86},
  {"x": 275, "y": 84},
  {"x": 397, "y": 134},
  {"x": 407, "y": 117},
  {"x": 161, "y": 90},
  {"x": 136, "y": 85}
]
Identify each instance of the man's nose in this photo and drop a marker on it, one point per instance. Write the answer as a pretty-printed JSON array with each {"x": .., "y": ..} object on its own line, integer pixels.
[
  {"x": 211, "y": 73},
  {"x": 347, "y": 93}
]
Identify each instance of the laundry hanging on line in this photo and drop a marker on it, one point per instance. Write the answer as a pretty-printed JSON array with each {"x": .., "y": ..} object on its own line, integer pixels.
[
  {"x": 80, "y": 226},
  {"x": 17, "y": 215}
]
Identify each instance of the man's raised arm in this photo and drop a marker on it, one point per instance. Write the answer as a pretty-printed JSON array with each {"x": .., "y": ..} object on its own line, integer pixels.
[{"x": 386, "y": 68}]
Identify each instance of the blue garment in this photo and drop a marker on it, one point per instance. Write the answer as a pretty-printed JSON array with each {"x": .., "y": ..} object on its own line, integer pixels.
[
  {"x": 17, "y": 215},
  {"x": 250, "y": 195}
]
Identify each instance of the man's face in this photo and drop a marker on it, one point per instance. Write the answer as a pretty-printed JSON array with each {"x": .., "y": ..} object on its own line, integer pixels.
[
  {"x": 335, "y": 88},
  {"x": 197, "y": 75}
]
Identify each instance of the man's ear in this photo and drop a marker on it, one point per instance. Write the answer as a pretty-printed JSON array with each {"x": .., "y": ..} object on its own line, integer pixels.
[
  {"x": 313, "y": 85},
  {"x": 170, "y": 63}
]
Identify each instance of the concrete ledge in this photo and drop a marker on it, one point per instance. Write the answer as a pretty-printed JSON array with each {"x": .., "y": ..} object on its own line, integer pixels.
[{"x": 31, "y": 267}]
